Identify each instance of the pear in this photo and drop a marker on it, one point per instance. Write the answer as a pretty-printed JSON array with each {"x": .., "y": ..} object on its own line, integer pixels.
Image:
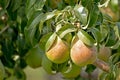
[
  {"x": 104, "y": 53},
  {"x": 82, "y": 54},
  {"x": 59, "y": 52}
]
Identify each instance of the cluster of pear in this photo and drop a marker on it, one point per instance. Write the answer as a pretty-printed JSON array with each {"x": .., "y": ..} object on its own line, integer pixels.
[{"x": 79, "y": 53}]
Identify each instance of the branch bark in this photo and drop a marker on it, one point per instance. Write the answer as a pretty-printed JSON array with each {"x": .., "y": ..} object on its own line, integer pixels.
[{"x": 102, "y": 65}]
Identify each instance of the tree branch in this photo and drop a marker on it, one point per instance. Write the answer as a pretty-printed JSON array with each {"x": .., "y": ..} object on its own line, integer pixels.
[
  {"x": 102, "y": 65},
  {"x": 4, "y": 29}
]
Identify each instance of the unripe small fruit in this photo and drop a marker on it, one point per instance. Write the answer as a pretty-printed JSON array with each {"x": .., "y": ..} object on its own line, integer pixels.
[
  {"x": 73, "y": 72},
  {"x": 34, "y": 57},
  {"x": 59, "y": 52},
  {"x": 82, "y": 54},
  {"x": 104, "y": 53}
]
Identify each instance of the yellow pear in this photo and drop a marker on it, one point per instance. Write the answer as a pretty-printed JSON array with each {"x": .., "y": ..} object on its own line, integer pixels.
[
  {"x": 59, "y": 52},
  {"x": 82, "y": 54}
]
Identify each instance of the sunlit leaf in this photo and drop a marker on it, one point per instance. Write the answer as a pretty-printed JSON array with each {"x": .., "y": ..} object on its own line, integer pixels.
[
  {"x": 43, "y": 40},
  {"x": 81, "y": 14},
  {"x": 86, "y": 38},
  {"x": 67, "y": 31},
  {"x": 50, "y": 41},
  {"x": 118, "y": 28},
  {"x": 39, "y": 5}
]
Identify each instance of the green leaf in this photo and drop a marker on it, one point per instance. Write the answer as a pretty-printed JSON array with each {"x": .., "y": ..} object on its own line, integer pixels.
[
  {"x": 71, "y": 70},
  {"x": 118, "y": 28},
  {"x": 2, "y": 71},
  {"x": 97, "y": 34},
  {"x": 30, "y": 3},
  {"x": 86, "y": 38},
  {"x": 19, "y": 74},
  {"x": 104, "y": 31},
  {"x": 111, "y": 38},
  {"x": 30, "y": 13},
  {"x": 31, "y": 28},
  {"x": 47, "y": 65},
  {"x": 69, "y": 30},
  {"x": 65, "y": 27},
  {"x": 17, "y": 4},
  {"x": 43, "y": 40},
  {"x": 45, "y": 17},
  {"x": 33, "y": 6},
  {"x": 39, "y": 5},
  {"x": 50, "y": 41},
  {"x": 100, "y": 19},
  {"x": 93, "y": 16},
  {"x": 116, "y": 46},
  {"x": 81, "y": 14},
  {"x": 96, "y": 1},
  {"x": 4, "y": 3}
]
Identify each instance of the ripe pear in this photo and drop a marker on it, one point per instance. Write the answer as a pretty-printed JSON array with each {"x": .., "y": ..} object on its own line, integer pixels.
[
  {"x": 82, "y": 54},
  {"x": 59, "y": 52},
  {"x": 104, "y": 53}
]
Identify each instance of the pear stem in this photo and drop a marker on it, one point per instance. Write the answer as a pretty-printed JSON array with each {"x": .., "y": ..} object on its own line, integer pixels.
[{"x": 102, "y": 65}]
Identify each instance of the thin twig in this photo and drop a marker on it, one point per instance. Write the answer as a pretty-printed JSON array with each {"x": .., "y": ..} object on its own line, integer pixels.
[{"x": 4, "y": 29}]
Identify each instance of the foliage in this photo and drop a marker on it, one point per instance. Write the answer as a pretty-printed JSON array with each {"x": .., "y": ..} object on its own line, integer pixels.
[{"x": 28, "y": 29}]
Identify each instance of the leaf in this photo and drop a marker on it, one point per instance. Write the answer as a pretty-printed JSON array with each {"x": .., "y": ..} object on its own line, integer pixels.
[
  {"x": 104, "y": 31},
  {"x": 43, "y": 40},
  {"x": 116, "y": 46},
  {"x": 33, "y": 6},
  {"x": 85, "y": 3},
  {"x": 93, "y": 16},
  {"x": 50, "y": 41},
  {"x": 17, "y": 4},
  {"x": 96, "y": 1},
  {"x": 47, "y": 65},
  {"x": 86, "y": 38},
  {"x": 65, "y": 27},
  {"x": 39, "y": 5},
  {"x": 118, "y": 28},
  {"x": 81, "y": 14},
  {"x": 32, "y": 27},
  {"x": 19, "y": 74},
  {"x": 2, "y": 71},
  {"x": 30, "y": 13},
  {"x": 45, "y": 17},
  {"x": 111, "y": 38},
  {"x": 100, "y": 19},
  {"x": 69, "y": 30},
  {"x": 30, "y": 3},
  {"x": 97, "y": 34},
  {"x": 4, "y": 3}
]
